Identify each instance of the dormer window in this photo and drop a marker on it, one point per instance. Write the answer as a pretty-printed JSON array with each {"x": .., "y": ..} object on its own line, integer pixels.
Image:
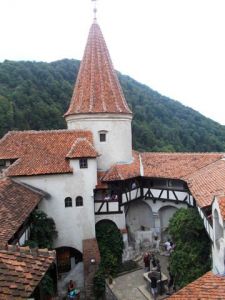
[
  {"x": 102, "y": 135},
  {"x": 83, "y": 163}
]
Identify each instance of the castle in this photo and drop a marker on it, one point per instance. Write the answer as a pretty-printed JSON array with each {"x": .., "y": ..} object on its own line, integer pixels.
[{"x": 89, "y": 174}]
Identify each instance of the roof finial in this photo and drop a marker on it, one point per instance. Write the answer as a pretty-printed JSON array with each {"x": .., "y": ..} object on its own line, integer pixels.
[{"x": 95, "y": 10}]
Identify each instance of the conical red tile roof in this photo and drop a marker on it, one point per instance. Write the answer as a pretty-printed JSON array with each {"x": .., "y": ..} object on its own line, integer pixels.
[{"x": 97, "y": 88}]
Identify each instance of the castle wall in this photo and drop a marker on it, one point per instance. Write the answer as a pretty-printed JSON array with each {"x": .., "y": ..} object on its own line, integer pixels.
[
  {"x": 117, "y": 127},
  {"x": 218, "y": 246},
  {"x": 75, "y": 223}
]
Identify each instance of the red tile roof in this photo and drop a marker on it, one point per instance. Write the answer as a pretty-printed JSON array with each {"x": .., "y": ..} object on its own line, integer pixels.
[
  {"x": 82, "y": 148},
  {"x": 43, "y": 152},
  {"x": 207, "y": 182},
  {"x": 203, "y": 172},
  {"x": 21, "y": 270},
  {"x": 209, "y": 287},
  {"x": 221, "y": 202},
  {"x": 100, "y": 183},
  {"x": 16, "y": 204},
  {"x": 176, "y": 165},
  {"x": 124, "y": 171},
  {"x": 97, "y": 88}
]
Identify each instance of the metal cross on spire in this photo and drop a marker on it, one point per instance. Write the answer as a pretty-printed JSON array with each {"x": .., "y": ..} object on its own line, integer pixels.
[{"x": 95, "y": 9}]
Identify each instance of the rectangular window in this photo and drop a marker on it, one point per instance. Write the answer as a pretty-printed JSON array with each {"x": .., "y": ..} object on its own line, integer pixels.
[
  {"x": 102, "y": 137},
  {"x": 83, "y": 163}
]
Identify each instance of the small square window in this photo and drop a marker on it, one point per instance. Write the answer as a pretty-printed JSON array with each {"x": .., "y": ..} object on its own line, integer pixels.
[
  {"x": 102, "y": 137},
  {"x": 83, "y": 163}
]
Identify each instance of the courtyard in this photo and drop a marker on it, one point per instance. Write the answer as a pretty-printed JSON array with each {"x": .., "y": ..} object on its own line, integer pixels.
[{"x": 133, "y": 286}]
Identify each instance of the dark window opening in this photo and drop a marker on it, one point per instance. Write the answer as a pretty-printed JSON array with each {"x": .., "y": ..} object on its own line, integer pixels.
[
  {"x": 102, "y": 137},
  {"x": 79, "y": 201},
  {"x": 83, "y": 163},
  {"x": 68, "y": 202}
]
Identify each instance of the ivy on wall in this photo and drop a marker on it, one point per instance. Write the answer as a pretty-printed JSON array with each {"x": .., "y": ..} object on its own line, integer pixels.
[{"x": 110, "y": 244}]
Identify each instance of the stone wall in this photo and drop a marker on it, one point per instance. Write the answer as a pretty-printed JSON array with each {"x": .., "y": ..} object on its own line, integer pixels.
[{"x": 91, "y": 259}]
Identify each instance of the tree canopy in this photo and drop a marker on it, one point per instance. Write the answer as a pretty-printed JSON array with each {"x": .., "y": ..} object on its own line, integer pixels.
[
  {"x": 191, "y": 257},
  {"x": 35, "y": 95}
]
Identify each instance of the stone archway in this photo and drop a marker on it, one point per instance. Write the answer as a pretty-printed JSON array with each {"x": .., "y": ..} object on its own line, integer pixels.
[
  {"x": 165, "y": 214},
  {"x": 70, "y": 267},
  {"x": 67, "y": 258},
  {"x": 140, "y": 221}
]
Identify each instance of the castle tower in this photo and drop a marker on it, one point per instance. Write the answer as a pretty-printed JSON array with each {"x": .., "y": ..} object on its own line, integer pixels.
[{"x": 98, "y": 104}]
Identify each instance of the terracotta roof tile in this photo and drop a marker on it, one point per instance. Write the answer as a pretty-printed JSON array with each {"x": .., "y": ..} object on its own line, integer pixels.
[
  {"x": 22, "y": 271},
  {"x": 41, "y": 152},
  {"x": 82, "y": 148},
  {"x": 124, "y": 171},
  {"x": 100, "y": 183},
  {"x": 209, "y": 286},
  {"x": 203, "y": 172},
  {"x": 175, "y": 165},
  {"x": 97, "y": 88},
  {"x": 207, "y": 182},
  {"x": 12, "y": 215}
]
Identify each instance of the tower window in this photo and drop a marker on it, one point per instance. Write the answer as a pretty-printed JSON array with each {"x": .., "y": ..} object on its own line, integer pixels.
[
  {"x": 83, "y": 163},
  {"x": 68, "y": 202},
  {"x": 102, "y": 137},
  {"x": 79, "y": 201}
]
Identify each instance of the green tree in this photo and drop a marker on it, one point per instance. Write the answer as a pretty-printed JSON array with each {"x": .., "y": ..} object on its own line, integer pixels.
[
  {"x": 43, "y": 230},
  {"x": 191, "y": 258}
]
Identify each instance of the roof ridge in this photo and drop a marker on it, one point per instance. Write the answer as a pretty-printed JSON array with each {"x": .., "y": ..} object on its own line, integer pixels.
[{"x": 27, "y": 250}]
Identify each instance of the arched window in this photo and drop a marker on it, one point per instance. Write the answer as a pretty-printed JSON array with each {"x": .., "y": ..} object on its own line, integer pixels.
[
  {"x": 68, "y": 202},
  {"x": 79, "y": 201}
]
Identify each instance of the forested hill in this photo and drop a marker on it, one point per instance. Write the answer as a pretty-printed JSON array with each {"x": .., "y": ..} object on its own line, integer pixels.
[{"x": 35, "y": 95}]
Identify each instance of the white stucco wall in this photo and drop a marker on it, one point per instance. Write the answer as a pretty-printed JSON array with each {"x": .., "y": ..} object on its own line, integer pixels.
[
  {"x": 118, "y": 145},
  {"x": 218, "y": 247},
  {"x": 118, "y": 219},
  {"x": 73, "y": 223}
]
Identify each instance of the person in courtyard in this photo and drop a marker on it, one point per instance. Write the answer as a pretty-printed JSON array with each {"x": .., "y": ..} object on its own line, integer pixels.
[
  {"x": 167, "y": 245},
  {"x": 154, "y": 263},
  {"x": 73, "y": 293},
  {"x": 153, "y": 285},
  {"x": 146, "y": 260},
  {"x": 170, "y": 282}
]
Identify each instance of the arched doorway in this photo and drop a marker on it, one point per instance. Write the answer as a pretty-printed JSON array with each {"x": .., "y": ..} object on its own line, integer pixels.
[
  {"x": 165, "y": 214},
  {"x": 67, "y": 258}
]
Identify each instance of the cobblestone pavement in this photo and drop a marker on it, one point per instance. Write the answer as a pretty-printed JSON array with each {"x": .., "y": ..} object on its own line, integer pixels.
[{"x": 132, "y": 286}]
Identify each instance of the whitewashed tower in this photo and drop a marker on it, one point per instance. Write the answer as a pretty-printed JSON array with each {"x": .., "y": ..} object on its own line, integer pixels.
[{"x": 98, "y": 103}]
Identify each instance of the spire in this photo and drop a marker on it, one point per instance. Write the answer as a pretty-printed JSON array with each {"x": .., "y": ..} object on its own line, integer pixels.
[
  {"x": 95, "y": 10},
  {"x": 97, "y": 88}
]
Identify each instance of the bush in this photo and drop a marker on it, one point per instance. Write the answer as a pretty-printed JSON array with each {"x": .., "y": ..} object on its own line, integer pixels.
[
  {"x": 191, "y": 258},
  {"x": 99, "y": 283}
]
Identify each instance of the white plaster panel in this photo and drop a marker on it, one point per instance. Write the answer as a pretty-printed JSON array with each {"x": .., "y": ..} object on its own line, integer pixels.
[
  {"x": 118, "y": 219},
  {"x": 73, "y": 223},
  {"x": 113, "y": 206},
  {"x": 159, "y": 204},
  {"x": 118, "y": 145}
]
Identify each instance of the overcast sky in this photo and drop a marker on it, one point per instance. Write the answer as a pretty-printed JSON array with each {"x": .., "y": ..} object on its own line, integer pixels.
[{"x": 177, "y": 47}]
